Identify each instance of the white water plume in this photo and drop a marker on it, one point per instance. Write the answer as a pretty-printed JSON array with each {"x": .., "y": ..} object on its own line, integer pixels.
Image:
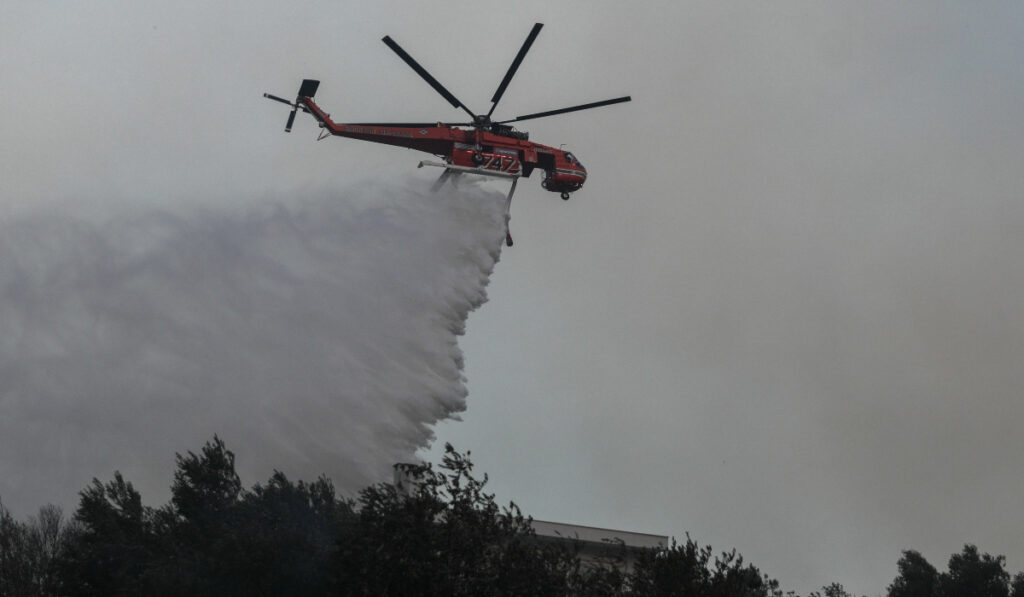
[{"x": 318, "y": 336}]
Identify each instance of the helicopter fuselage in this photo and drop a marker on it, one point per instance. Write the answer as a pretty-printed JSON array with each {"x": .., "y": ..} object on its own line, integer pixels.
[
  {"x": 508, "y": 152},
  {"x": 488, "y": 147}
]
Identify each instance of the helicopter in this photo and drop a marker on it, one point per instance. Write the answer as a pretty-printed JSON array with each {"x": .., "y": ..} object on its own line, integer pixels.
[{"x": 490, "y": 147}]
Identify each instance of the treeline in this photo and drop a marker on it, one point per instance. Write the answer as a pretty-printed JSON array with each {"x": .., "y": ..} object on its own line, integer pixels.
[{"x": 446, "y": 536}]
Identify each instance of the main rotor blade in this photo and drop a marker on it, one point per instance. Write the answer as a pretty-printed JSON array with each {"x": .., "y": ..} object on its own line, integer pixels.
[
  {"x": 515, "y": 66},
  {"x": 566, "y": 110},
  {"x": 438, "y": 87}
]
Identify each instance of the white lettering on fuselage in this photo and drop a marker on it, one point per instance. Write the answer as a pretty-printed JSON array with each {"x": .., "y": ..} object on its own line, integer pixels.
[
  {"x": 501, "y": 164},
  {"x": 362, "y": 130}
]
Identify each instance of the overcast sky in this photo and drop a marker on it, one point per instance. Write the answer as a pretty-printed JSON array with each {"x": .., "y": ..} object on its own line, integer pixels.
[{"x": 785, "y": 315}]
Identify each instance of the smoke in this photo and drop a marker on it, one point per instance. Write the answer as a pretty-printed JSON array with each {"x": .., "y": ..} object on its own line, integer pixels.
[{"x": 317, "y": 336}]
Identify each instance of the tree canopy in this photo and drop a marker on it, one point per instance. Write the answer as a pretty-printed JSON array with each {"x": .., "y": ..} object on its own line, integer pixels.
[
  {"x": 969, "y": 574},
  {"x": 443, "y": 534}
]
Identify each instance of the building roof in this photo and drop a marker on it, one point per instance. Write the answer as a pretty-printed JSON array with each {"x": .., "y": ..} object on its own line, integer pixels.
[{"x": 561, "y": 530}]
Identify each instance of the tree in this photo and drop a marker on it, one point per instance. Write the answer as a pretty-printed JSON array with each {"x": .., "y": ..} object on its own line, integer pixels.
[
  {"x": 220, "y": 539},
  {"x": 200, "y": 536},
  {"x": 688, "y": 569},
  {"x": 974, "y": 575},
  {"x": 15, "y": 572},
  {"x": 446, "y": 537},
  {"x": 206, "y": 486},
  {"x": 1017, "y": 585},
  {"x": 113, "y": 546},
  {"x": 213, "y": 538},
  {"x": 917, "y": 578},
  {"x": 289, "y": 533},
  {"x": 833, "y": 590},
  {"x": 46, "y": 541}
]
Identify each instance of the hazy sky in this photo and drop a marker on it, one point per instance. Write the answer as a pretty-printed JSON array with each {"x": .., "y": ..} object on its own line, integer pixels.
[{"x": 785, "y": 315}]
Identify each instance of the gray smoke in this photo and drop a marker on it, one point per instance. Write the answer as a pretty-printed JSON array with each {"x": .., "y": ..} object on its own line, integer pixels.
[{"x": 316, "y": 336}]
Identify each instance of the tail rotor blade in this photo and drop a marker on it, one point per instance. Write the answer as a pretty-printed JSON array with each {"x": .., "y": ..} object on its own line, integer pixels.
[
  {"x": 291, "y": 121},
  {"x": 285, "y": 102},
  {"x": 277, "y": 99}
]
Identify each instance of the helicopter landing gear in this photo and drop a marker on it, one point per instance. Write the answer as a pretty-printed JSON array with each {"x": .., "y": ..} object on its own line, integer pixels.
[
  {"x": 478, "y": 158},
  {"x": 565, "y": 196}
]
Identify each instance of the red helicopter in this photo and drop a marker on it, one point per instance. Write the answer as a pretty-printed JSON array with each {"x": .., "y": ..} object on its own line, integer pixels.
[{"x": 490, "y": 148}]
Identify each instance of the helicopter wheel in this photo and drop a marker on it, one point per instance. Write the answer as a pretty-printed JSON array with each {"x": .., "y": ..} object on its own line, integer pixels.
[
  {"x": 477, "y": 158},
  {"x": 565, "y": 196}
]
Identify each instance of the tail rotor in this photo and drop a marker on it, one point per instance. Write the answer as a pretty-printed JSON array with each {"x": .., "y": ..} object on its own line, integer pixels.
[{"x": 307, "y": 89}]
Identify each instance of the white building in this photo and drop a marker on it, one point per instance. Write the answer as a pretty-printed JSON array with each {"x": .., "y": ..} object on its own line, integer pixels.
[{"x": 597, "y": 545}]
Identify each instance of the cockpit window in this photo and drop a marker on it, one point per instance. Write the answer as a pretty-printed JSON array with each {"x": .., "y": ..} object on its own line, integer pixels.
[{"x": 572, "y": 159}]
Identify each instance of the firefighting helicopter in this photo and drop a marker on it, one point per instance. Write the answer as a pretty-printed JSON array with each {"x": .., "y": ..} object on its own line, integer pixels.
[{"x": 490, "y": 148}]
